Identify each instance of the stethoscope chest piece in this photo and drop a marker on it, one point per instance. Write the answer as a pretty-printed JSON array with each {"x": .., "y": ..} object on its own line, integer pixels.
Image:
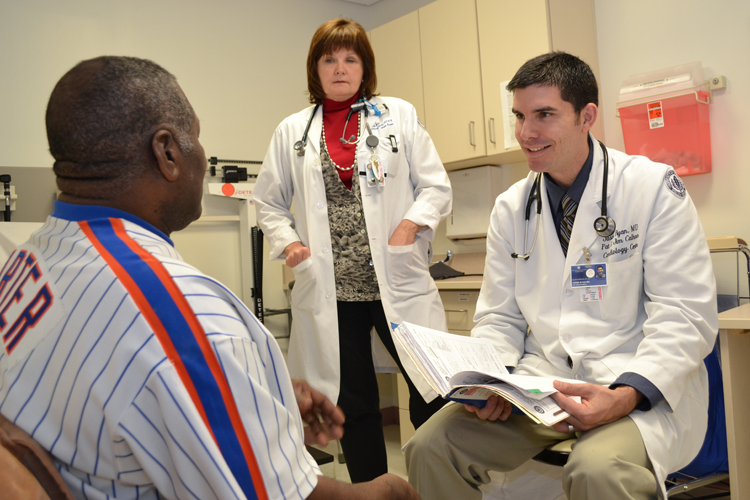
[
  {"x": 604, "y": 226},
  {"x": 299, "y": 147}
]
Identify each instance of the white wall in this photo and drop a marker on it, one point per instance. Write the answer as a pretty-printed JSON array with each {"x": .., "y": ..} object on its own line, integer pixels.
[
  {"x": 637, "y": 36},
  {"x": 240, "y": 62}
]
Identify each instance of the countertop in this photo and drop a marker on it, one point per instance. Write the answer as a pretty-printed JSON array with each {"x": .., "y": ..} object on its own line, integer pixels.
[
  {"x": 735, "y": 319},
  {"x": 468, "y": 263}
]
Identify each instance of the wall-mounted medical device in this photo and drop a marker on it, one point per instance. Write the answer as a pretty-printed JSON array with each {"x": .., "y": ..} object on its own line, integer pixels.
[{"x": 664, "y": 116}]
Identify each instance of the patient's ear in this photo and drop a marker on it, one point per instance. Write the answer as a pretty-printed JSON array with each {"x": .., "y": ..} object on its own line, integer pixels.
[{"x": 169, "y": 159}]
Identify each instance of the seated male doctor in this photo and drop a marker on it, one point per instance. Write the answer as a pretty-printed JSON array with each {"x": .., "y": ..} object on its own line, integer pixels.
[{"x": 637, "y": 340}]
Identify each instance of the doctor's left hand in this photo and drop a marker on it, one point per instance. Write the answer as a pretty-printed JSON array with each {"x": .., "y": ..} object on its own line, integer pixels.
[
  {"x": 324, "y": 420},
  {"x": 599, "y": 405},
  {"x": 404, "y": 234}
]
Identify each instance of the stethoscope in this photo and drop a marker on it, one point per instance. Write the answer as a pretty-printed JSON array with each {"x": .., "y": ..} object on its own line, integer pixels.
[
  {"x": 372, "y": 140},
  {"x": 603, "y": 225},
  {"x": 299, "y": 146}
]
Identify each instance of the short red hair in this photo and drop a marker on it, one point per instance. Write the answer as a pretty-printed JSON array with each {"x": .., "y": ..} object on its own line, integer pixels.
[{"x": 330, "y": 37}]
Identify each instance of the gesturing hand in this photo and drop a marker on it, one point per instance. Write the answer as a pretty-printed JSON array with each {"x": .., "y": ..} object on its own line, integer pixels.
[{"x": 324, "y": 419}]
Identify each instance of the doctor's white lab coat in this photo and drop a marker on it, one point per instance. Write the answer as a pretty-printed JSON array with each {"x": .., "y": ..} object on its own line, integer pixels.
[
  {"x": 658, "y": 314},
  {"x": 416, "y": 188}
]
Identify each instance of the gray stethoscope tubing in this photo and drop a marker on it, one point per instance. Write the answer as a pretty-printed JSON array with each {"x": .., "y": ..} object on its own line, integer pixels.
[
  {"x": 371, "y": 140},
  {"x": 299, "y": 146},
  {"x": 356, "y": 108},
  {"x": 603, "y": 225}
]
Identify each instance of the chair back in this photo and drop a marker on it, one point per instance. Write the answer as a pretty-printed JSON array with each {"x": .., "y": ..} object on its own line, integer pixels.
[{"x": 27, "y": 471}]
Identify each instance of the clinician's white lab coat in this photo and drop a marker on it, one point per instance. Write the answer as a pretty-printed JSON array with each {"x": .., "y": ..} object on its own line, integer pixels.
[
  {"x": 658, "y": 314},
  {"x": 416, "y": 188}
]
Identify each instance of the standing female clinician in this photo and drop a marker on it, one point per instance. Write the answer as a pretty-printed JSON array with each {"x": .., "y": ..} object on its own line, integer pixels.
[{"x": 369, "y": 191}]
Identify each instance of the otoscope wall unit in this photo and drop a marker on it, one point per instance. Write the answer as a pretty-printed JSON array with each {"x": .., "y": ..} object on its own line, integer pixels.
[{"x": 664, "y": 116}]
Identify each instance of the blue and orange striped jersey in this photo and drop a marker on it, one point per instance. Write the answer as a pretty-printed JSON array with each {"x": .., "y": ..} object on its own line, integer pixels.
[{"x": 142, "y": 376}]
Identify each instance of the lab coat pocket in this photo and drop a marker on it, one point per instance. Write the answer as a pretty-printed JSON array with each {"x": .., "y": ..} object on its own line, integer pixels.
[
  {"x": 624, "y": 288},
  {"x": 303, "y": 291},
  {"x": 407, "y": 270}
]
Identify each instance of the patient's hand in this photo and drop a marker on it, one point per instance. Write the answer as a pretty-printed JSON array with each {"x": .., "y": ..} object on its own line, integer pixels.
[{"x": 324, "y": 419}]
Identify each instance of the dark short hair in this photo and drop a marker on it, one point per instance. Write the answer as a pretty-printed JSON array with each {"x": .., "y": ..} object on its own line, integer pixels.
[
  {"x": 567, "y": 72},
  {"x": 330, "y": 37},
  {"x": 102, "y": 115}
]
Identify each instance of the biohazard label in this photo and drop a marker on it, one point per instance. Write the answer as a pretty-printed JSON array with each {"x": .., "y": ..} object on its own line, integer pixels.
[{"x": 655, "y": 115}]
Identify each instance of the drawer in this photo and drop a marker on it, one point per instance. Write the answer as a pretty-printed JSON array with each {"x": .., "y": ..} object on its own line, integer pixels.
[{"x": 460, "y": 306}]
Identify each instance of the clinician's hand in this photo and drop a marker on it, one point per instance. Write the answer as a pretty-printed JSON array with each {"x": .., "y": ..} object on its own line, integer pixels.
[
  {"x": 404, "y": 234},
  {"x": 324, "y": 419},
  {"x": 496, "y": 408},
  {"x": 599, "y": 405},
  {"x": 295, "y": 253}
]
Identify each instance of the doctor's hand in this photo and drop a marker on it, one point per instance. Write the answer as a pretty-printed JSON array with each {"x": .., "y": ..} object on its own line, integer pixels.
[
  {"x": 497, "y": 407},
  {"x": 324, "y": 420},
  {"x": 295, "y": 253},
  {"x": 405, "y": 233},
  {"x": 599, "y": 405}
]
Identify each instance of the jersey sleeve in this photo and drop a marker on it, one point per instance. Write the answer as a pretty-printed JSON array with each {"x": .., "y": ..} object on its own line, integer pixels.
[{"x": 166, "y": 431}]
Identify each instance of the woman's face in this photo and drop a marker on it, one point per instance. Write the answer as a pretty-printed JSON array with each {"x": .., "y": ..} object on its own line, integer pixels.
[{"x": 340, "y": 74}]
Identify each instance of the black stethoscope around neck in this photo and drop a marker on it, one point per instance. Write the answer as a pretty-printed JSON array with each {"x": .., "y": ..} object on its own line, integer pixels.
[
  {"x": 371, "y": 141},
  {"x": 603, "y": 225}
]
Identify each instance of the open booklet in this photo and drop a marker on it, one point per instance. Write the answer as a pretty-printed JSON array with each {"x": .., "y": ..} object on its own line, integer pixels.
[{"x": 469, "y": 370}]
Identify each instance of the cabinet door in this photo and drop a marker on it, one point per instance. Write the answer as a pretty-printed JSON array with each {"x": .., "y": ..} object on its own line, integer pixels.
[
  {"x": 452, "y": 79},
  {"x": 398, "y": 61},
  {"x": 510, "y": 33}
]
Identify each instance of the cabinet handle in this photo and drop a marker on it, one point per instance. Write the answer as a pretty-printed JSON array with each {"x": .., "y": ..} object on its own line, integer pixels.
[
  {"x": 471, "y": 134},
  {"x": 492, "y": 131},
  {"x": 456, "y": 310}
]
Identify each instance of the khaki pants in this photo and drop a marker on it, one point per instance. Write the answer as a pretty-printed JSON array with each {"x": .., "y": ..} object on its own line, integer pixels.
[{"x": 451, "y": 455}]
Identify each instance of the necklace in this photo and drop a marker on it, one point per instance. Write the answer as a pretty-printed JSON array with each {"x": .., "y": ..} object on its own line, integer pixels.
[{"x": 325, "y": 146}]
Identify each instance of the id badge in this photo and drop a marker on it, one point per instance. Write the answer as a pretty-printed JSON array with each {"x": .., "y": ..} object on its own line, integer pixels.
[
  {"x": 591, "y": 294},
  {"x": 588, "y": 275},
  {"x": 375, "y": 171},
  {"x": 589, "y": 279}
]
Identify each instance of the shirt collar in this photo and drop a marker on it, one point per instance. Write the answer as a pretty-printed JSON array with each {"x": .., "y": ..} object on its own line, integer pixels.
[
  {"x": 77, "y": 213},
  {"x": 555, "y": 193}
]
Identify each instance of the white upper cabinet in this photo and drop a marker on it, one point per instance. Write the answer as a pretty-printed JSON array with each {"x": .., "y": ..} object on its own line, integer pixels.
[
  {"x": 452, "y": 79},
  {"x": 452, "y": 56},
  {"x": 398, "y": 62}
]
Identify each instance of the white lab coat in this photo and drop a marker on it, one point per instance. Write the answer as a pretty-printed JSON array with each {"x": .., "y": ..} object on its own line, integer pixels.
[
  {"x": 416, "y": 188},
  {"x": 658, "y": 317}
]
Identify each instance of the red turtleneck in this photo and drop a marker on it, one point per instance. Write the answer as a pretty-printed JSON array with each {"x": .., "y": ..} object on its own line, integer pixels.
[{"x": 334, "y": 117}]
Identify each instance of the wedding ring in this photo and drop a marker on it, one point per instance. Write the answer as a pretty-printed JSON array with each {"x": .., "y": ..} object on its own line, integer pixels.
[{"x": 571, "y": 430}]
